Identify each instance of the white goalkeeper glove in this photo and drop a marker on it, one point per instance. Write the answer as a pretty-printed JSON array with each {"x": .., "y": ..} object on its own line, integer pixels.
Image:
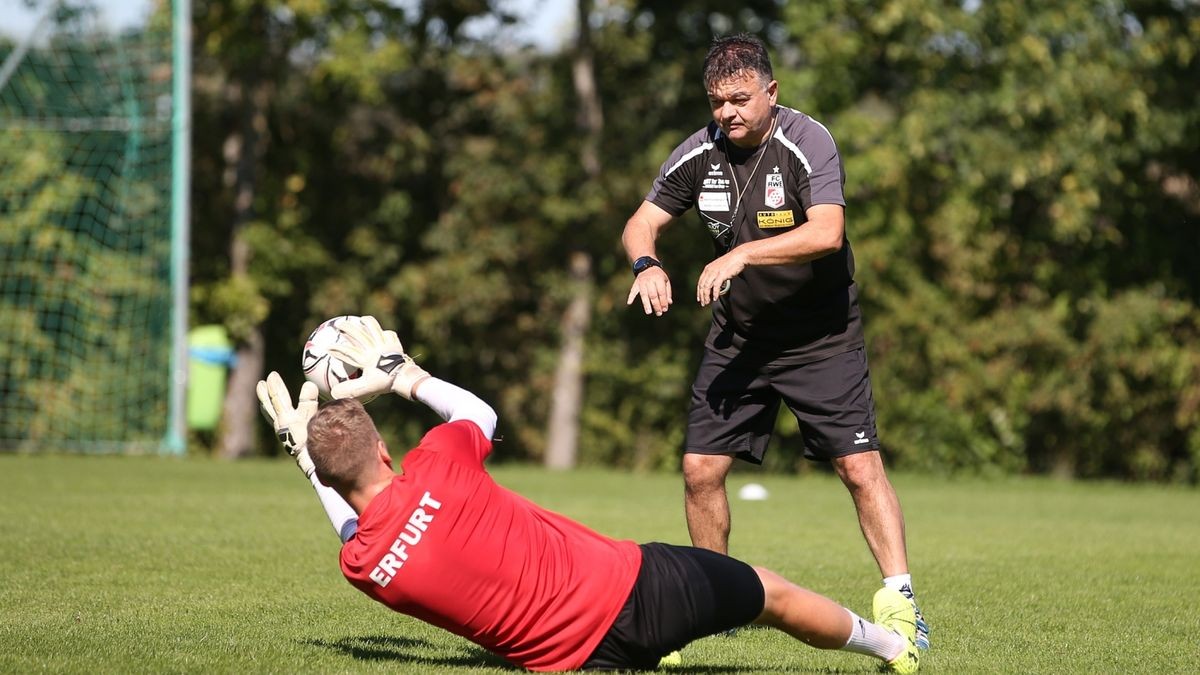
[
  {"x": 290, "y": 423},
  {"x": 379, "y": 354}
]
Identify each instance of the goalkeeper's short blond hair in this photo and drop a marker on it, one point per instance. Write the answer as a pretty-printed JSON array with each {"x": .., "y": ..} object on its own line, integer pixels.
[{"x": 341, "y": 442}]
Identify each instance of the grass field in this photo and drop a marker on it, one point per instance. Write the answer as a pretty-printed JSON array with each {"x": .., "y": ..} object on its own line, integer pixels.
[{"x": 116, "y": 565}]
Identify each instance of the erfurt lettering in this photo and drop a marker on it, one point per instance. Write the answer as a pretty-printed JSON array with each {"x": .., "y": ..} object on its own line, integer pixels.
[{"x": 414, "y": 529}]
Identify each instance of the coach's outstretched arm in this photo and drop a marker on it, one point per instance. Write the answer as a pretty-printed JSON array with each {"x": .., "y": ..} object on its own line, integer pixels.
[
  {"x": 291, "y": 427},
  {"x": 386, "y": 367}
]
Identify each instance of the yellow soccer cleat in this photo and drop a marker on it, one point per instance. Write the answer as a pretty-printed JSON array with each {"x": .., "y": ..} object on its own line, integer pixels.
[
  {"x": 922, "y": 625},
  {"x": 895, "y": 613},
  {"x": 672, "y": 659}
]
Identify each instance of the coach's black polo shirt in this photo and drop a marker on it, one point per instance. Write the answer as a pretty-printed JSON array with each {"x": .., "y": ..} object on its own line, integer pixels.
[{"x": 789, "y": 313}]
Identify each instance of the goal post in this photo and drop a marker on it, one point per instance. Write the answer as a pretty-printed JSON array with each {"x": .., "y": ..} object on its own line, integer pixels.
[
  {"x": 93, "y": 233},
  {"x": 175, "y": 440}
]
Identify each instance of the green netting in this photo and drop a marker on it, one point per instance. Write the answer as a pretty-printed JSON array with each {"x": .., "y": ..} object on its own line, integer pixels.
[{"x": 85, "y": 237}]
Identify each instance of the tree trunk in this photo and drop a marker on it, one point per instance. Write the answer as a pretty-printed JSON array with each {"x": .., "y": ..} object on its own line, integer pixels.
[
  {"x": 562, "y": 437},
  {"x": 242, "y": 154},
  {"x": 590, "y": 117},
  {"x": 562, "y": 440},
  {"x": 239, "y": 414}
]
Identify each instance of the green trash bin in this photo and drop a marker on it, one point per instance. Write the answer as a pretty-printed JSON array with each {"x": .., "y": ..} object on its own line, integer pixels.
[{"x": 210, "y": 354}]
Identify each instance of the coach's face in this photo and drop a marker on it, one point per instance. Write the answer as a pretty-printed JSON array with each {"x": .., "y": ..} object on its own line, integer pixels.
[{"x": 741, "y": 106}]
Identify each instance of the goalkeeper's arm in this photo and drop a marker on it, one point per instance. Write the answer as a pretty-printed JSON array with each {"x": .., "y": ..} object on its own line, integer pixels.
[
  {"x": 451, "y": 402},
  {"x": 341, "y": 516},
  {"x": 454, "y": 403},
  {"x": 385, "y": 367},
  {"x": 291, "y": 427}
]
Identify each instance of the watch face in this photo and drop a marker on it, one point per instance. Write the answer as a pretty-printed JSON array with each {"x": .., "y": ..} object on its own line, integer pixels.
[{"x": 641, "y": 264}]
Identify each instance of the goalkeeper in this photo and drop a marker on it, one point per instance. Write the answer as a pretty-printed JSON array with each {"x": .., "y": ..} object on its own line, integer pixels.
[{"x": 441, "y": 541}]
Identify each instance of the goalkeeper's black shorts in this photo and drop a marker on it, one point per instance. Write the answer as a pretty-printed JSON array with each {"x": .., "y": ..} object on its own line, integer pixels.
[{"x": 681, "y": 594}]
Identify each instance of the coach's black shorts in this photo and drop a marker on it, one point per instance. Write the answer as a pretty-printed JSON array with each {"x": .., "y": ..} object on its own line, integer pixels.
[
  {"x": 681, "y": 594},
  {"x": 735, "y": 401}
]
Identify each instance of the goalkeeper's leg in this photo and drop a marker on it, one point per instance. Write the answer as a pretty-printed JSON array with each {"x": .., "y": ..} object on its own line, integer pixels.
[{"x": 822, "y": 623}]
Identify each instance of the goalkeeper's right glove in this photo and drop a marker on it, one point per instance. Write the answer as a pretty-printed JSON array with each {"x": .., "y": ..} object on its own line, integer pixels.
[
  {"x": 290, "y": 423},
  {"x": 379, "y": 354}
]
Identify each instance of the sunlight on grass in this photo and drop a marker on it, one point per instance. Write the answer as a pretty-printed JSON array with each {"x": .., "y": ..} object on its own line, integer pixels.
[{"x": 116, "y": 564}]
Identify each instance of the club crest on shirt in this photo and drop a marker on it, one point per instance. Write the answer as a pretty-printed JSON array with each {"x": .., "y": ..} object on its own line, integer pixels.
[{"x": 774, "y": 196}]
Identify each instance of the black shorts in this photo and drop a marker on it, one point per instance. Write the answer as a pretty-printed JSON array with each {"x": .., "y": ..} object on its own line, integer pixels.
[
  {"x": 735, "y": 402},
  {"x": 681, "y": 594}
]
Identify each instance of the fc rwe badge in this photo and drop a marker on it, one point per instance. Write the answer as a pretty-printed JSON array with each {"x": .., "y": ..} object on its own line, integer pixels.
[{"x": 774, "y": 197}]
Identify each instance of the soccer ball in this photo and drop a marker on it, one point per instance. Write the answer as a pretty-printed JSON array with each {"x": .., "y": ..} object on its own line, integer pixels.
[
  {"x": 753, "y": 492},
  {"x": 319, "y": 366}
]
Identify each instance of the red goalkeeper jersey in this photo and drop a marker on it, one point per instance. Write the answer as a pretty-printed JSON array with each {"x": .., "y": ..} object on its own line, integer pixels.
[{"x": 444, "y": 543}]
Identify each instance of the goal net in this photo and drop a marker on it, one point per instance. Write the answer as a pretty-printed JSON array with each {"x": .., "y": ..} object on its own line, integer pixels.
[{"x": 85, "y": 232}]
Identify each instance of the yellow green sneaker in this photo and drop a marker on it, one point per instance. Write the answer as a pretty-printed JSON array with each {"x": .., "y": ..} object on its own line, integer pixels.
[
  {"x": 922, "y": 627},
  {"x": 895, "y": 612}
]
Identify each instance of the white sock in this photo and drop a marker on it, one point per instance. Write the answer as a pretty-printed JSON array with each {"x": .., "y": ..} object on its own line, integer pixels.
[
  {"x": 898, "y": 582},
  {"x": 872, "y": 639}
]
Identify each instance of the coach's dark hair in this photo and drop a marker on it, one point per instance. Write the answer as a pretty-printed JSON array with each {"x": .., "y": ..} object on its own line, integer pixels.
[{"x": 735, "y": 54}]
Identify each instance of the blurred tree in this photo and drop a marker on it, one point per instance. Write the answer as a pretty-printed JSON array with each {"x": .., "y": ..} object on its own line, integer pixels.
[
  {"x": 241, "y": 65},
  {"x": 1022, "y": 204},
  {"x": 1019, "y": 201},
  {"x": 567, "y": 401},
  {"x": 319, "y": 140}
]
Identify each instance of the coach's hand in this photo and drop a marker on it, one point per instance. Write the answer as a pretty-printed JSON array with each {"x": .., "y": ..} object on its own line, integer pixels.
[
  {"x": 290, "y": 423},
  {"x": 385, "y": 366},
  {"x": 654, "y": 286}
]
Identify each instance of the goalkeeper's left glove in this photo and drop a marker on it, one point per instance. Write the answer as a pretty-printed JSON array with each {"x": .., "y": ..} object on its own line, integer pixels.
[
  {"x": 379, "y": 354},
  {"x": 290, "y": 423}
]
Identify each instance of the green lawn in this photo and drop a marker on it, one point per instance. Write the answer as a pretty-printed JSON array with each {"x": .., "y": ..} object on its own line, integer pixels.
[{"x": 116, "y": 564}]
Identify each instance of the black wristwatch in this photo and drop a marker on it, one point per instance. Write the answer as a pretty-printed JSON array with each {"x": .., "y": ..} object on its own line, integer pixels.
[{"x": 644, "y": 263}]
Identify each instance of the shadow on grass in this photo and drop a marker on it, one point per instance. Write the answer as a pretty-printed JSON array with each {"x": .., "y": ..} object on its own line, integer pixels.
[
  {"x": 409, "y": 650},
  {"x": 418, "y": 651},
  {"x": 695, "y": 668}
]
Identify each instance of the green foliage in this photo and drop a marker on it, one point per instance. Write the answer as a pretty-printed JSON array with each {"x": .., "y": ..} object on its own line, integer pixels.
[
  {"x": 1008, "y": 168},
  {"x": 1021, "y": 201}
]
